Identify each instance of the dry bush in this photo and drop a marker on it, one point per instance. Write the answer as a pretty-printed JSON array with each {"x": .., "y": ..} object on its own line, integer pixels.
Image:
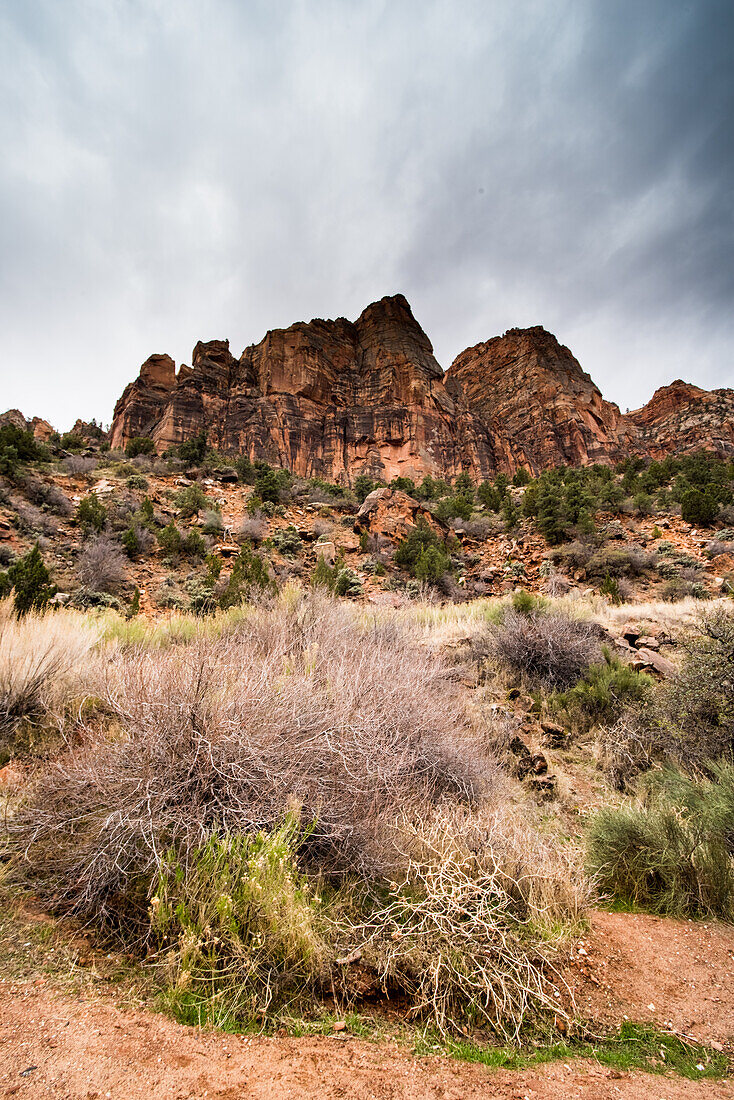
[
  {"x": 252, "y": 528},
  {"x": 78, "y": 465},
  {"x": 42, "y": 493},
  {"x": 549, "y": 647},
  {"x": 224, "y": 735},
  {"x": 464, "y": 931},
  {"x": 102, "y": 565},
  {"x": 42, "y": 659}
]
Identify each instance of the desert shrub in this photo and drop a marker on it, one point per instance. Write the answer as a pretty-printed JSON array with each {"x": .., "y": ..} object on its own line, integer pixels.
[
  {"x": 31, "y": 520},
  {"x": 212, "y": 728},
  {"x": 42, "y": 661},
  {"x": 718, "y": 546},
  {"x": 137, "y": 481},
  {"x": 169, "y": 595},
  {"x": 190, "y": 501},
  {"x": 337, "y": 578},
  {"x": 287, "y": 541},
  {"x": 313, "y": 789},
  {"x": 602, "y": 691},
  {"x": 252, "y": 527},
  {"x": 550, "y": 648},
  {"x": 422, "y": 553},
  {"x": 689, "y": 720},
  {"x": 671, "y": 849},
  {"x": 249, "y": 577},
  {"x": 102, "y": 566},
  {"x": 212, "y": 522},
  {"x": 618, "y": 561},
  {"x": 31, "y": 582},
  {"x": 45, "y": 495},
  {"x": 573, "y": 555},
  {"x": 80, "y": 465},
  {"x": 139, "y": 445},
  {"x": 91, "y": 515}
]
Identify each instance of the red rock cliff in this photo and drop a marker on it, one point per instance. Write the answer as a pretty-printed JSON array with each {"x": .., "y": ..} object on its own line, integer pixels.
[{"x": 337, "y": 398}]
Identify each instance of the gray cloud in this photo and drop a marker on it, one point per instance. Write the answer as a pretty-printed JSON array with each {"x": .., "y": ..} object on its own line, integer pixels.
[{"x": 175, "y": 170}]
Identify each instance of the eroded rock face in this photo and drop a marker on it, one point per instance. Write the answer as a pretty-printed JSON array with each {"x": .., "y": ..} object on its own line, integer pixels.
[
  {"x": 143, "y": 401},
  {"x": 339, "y": 398},
  {"x": 537, "y": 407},
  {"x": 390, "y": 513},
  {"x": 682, "y": 418}
]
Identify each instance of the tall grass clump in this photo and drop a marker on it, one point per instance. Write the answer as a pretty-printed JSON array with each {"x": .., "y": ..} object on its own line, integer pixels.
[
  {"x": 42, "y": 665},
  {"x": 671, "y": 848},
  {"x": 248, "y": 928}
]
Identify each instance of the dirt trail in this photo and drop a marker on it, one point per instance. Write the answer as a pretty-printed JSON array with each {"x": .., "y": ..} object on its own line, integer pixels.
[{"x": 83, "y": 1047}]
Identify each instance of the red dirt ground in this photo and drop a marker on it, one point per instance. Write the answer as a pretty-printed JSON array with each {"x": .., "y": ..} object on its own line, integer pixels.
[{"x": 85, "y": 1048}]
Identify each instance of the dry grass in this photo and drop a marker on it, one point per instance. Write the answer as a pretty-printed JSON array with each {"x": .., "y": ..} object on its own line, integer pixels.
[
  {"x": 675, "y": 618},
  {"x": 43, "y": 663}
]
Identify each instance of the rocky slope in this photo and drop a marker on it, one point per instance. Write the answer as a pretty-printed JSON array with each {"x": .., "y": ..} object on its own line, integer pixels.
[{"x": 337, "y": 398}]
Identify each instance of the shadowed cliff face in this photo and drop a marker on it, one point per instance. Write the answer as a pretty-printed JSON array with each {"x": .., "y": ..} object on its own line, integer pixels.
[{"x": 338, "y": 398}]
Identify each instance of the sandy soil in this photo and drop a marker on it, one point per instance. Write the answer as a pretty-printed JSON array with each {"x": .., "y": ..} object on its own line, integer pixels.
[
  {"x": 84, "y": 1047},
  {"x": 90, "y": 1051},
  {"x": 675, "y": 973}
]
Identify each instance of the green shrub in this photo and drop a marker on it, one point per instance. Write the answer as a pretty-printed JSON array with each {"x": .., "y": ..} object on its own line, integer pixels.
[
  {"x": 422, "y": 553},
  {"x": 602, "y": 691},
  {"x": 609, "y": 587},
  {"x": 139, "y": 445},
  {"x": 249, "y": 575},
  {"x": 670, "y": 850},
  {"x": 72, "y": 441},
  {"x": 697, "y": 508},
  {"x": 236, "y": 914},
  {"x": 270, "y": 483},
  {"x": 524, "y": 602},
  {"x": 193, "y": 451},
  {"x": 134, "y": 606},
  {"x": 363, "y": 486},
  {"x": 18, "y": 447},
  {"x": 193, "y": 545},
  {"x": 31, "y": 581},
  {"x": 169, "y": 539},
  {"x": 190, "y": 501},
  {"x": 91, "y": 514},
  {"x": 458, "y": 506}
]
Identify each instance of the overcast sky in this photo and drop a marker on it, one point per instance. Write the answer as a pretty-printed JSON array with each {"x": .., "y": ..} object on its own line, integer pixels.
[{"x": 175, "y": 170}]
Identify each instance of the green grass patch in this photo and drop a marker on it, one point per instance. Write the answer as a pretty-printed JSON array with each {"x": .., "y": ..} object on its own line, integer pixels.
[{"x": 634, "y": 1046}]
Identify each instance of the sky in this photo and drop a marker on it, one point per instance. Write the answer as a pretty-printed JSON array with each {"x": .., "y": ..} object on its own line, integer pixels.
[{"x": 176, "y": 170}]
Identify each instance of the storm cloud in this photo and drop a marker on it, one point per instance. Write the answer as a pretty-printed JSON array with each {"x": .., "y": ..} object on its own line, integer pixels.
[{"x": 176, "y": 170}]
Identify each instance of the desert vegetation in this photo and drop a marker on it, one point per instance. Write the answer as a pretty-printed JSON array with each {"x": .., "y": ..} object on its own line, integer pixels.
[{"x": 296, "y": 759}]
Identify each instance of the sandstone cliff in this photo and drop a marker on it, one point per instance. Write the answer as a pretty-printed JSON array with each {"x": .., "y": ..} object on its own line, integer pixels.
[{"x": 338, "y": 398}]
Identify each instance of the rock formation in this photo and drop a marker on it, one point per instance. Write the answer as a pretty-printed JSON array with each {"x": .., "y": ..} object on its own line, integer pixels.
[
  {"x": 682, "y": 417},
  {"x": 339, "y": 398}
]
